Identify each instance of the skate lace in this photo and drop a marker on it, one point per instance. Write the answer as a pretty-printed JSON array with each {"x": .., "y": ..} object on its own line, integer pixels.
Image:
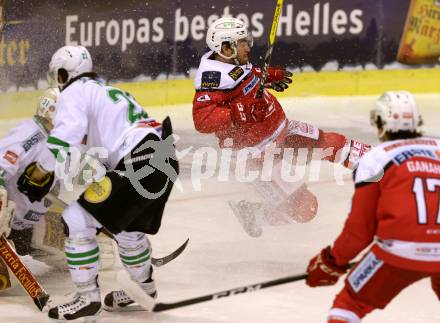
[
  {"x": 78, "y": 302},
  {"x": 121, "y": 297}
]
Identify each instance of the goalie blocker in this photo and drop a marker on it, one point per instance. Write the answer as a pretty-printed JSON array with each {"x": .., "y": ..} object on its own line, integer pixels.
[{"x": 107, "y": 200}]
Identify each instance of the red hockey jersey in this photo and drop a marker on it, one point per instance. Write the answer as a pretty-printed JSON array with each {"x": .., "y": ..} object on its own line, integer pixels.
[
  {"x": 396, "y": 205},
  {"x": 217, "y": 85}
]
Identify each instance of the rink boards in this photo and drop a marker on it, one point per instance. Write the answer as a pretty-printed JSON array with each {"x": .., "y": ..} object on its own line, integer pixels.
[{"x": 306, "y": 84}]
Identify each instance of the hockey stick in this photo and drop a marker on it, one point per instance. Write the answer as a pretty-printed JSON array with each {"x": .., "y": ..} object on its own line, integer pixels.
[
  {"x": 267, "y": 57},
  {"x": 158, "y": 262},
  {"x": 159, "y": 307},
  {"x": 24, "y": 276},
  {"x": 147, "y": 303}
]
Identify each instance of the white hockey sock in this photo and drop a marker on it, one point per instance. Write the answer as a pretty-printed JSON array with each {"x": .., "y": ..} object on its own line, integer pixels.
[
  {"x": 82, "y": 255},
  {"x": 135, "y": 253}
]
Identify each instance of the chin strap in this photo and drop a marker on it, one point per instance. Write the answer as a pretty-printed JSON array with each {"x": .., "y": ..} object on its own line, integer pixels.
[{"x": 233, "y": 56}]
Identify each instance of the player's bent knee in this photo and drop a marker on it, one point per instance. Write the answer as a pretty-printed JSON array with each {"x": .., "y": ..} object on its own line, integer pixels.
[
  {"x": 339, "y": 315},
  {"x": 131, "y": 239}
]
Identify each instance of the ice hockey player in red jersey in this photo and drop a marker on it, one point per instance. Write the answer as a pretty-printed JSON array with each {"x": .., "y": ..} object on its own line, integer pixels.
[
  {"x": 225, "y": 104},
  {"x": 395, "y": 207}
]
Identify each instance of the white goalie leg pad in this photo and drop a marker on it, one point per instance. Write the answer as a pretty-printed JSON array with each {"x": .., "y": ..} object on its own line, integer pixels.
[
  {"x": 108, "y": 252},
  {"x": 135, "y": 254},
  {"x": 7, "y": 212},
  {"x": 339, "y": 313}
]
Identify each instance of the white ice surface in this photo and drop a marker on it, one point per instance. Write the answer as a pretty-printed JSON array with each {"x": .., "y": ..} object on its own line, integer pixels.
[{"x": 221, "y": 256}]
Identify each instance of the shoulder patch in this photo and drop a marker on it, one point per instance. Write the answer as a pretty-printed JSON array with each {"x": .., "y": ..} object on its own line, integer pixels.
[
  {"x": 236, "y": 72},
  {"x": 211, "y": 79},
  {"x": 11, "y": 157},
  {"x": 204, "y": 98}
]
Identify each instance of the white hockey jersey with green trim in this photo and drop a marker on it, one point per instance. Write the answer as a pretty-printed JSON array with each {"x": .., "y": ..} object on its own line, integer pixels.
[{"x": 99, "y": 117}]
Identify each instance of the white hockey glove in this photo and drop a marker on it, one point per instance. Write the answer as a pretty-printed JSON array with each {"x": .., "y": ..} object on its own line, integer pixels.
[{"x": 7, "y": 212}]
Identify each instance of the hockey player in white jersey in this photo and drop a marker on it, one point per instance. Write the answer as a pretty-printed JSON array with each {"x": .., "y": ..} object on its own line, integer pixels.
[
  {"x": 21, "y": 146},
  {"x": 129, "y": 201},
  {"x": 18, "y": 148}
]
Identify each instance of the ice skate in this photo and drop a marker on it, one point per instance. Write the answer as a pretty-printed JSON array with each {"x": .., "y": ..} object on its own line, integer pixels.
[
  {"x": 246, "y": 213},
  {"x": 85, "y": 305},
  {"x": 119, "y": 301}
]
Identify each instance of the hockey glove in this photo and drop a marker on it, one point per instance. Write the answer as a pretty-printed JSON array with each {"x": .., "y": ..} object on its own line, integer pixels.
[
  {"x": 279, "y": 78},
  {"x": 248, "y": 109},
  {"x": 35, "y": 191},
  {"x": 323, "y": 270}
]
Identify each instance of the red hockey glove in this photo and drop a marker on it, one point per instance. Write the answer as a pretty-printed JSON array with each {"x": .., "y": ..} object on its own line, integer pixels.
[
  {"x": 248, "y": 109},
  {"x": 323, "y": 270},
  {"x": 278, "y": 78}
]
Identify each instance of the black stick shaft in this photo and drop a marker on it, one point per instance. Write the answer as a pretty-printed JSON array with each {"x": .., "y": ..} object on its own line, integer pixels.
[{"x": 159, "y": 307}]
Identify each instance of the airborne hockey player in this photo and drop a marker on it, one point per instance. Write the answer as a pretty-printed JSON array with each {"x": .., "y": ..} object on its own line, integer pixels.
[
  {"x": 395, "y": 206},
  {"x": 225, "y": 104},
  {"x": 21, "y": 146},
  {"x": 128, "y": 201}
]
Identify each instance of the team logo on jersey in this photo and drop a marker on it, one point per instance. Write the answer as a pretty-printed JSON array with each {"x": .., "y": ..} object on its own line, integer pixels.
[
  {"x": 11, "y": 157},
  {"x": 33, "y": 140},
  {"x": 250, "y": 86},
  {"x": 364, "y": 271},
  {"x": 407, "y": 154},
  {"x": 236, "y": 73},
  {"x": 204, "y": 98},
  {"x": 98, "y": 192},
  {"x": 211, "y": 79}
]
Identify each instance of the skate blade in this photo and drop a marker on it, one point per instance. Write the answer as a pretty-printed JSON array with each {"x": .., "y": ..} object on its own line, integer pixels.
[
  {"x": 85, "y": 319},
  {"x": 129, "y": 308},
  {"x": 250, "y": 228},
  {"x": 134, "y": 291}
]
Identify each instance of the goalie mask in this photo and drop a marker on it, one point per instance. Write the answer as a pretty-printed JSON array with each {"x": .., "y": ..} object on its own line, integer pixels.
[
  {"x": 67, "y": 63},
  {"x": 396, "y": 111},
  {"x": 227, "y": 30},
  {"x": 46, "y": 107}
]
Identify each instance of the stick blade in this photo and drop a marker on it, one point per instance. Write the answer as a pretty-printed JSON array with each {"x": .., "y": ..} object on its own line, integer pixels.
[
  {"x": 135, "y": 291},
  {"x": 158, "y": 262}
]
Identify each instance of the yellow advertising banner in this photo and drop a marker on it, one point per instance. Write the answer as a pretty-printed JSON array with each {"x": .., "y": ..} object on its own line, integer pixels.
[{"x": 420, "y": 42}]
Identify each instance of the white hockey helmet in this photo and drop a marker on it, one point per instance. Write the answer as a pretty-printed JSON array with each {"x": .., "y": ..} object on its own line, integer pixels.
[
  {"x": 69, "y": 62},
  {"x": 228, "y": 30},
  {"x": 396, "y": 111},
  {"x": 46, "y": 107}
]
